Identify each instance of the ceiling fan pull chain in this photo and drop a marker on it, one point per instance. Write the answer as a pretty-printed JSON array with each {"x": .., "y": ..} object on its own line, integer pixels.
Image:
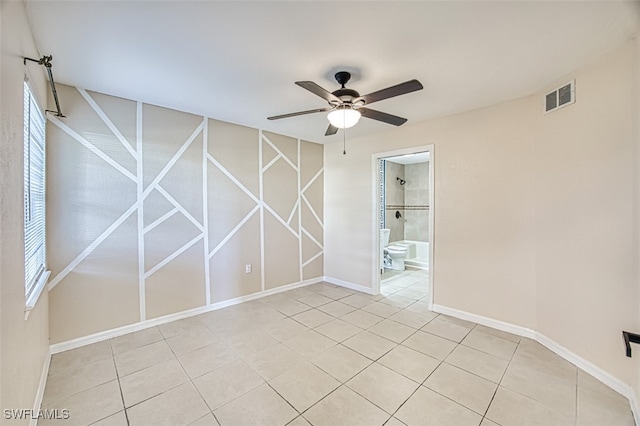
[{"x": 344, "y": 144}]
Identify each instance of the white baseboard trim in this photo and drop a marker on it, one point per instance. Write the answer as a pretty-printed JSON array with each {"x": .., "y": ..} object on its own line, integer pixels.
[
  {"x": 115, "y": 332},
  {"x": 635, "y": 407},
  {"x": 489, "y": 322},
  {"x": 346, "y": 284},
  {"x": 37, "y": 403},
  {"x": 597, "y": 372}
]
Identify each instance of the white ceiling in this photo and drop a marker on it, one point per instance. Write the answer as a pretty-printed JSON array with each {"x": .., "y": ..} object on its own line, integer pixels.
[
  {"x": 237, "y": 61},
  {"x": 420, "y": 157}
]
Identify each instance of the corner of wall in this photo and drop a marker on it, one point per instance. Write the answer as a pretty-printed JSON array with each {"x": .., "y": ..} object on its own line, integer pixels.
[
  {"x": 555, "y": 201},
  {"x": 24, "y": 342},
  {"x": 611, "y": 381},
  {"x": 586, "y": 215},
  {"x": 636, "y": 204}
]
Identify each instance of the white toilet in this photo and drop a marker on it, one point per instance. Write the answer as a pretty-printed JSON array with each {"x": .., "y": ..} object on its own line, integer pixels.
[{"x": 396, "y": 252}]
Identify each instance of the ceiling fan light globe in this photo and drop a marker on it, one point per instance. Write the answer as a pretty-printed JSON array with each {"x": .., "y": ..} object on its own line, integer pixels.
[{"x": 343, "y": 118}]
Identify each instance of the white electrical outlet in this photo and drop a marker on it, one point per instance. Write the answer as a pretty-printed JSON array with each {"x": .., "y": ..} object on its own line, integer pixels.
[{"x": 247, "y": 269}]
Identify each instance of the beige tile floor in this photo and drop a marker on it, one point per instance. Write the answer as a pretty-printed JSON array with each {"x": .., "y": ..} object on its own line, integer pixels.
[{"x": 325, "y": 355}]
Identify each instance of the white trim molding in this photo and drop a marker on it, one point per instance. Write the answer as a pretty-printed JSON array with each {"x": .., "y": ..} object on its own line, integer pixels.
[
  {"x": 489, "y": 322},
  {"x": 606, "y": 378},
  {"x": 108, "y": 122},
  {"x": 375, "y": 228},
  {"x": 588, "y": 367},
  {"x": 115, "y": 332},
  {"x": 33, "y": 298},
  {"x": 91, "y": 247},
  {"x": 37, "y": 403},
  {"x": 347, "y": 284},
  {"x": 597, "y": 372}
]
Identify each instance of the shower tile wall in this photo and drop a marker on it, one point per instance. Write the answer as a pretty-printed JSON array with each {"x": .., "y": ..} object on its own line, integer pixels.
[
  {"x": 394, "y": 194},
  {"x": 416, "y": 197}
]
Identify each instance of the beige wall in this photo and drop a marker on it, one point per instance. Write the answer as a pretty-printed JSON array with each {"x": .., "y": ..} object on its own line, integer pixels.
[
  {"x": 534, "y": 214},
  {"x": 471, "y": 160},
  {"x": 154, "y": 211},
  {"x": 587, "y": 287},
  {"x": 636, "y": 159},
  {"x": 24, "y": 343}
]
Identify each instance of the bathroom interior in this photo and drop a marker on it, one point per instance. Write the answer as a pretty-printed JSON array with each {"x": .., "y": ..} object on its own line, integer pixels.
[{"x": 404, "y": 225}]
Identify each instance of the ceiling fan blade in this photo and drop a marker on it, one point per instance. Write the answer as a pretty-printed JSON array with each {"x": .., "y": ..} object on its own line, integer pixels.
[
  {"x": 382, "y": 116},
  {"x": 294, "y": 114},
  {"x": 319, "y": 91},
  {"x": 331, "y": 130},
  {"x": 390, "y": 92}
]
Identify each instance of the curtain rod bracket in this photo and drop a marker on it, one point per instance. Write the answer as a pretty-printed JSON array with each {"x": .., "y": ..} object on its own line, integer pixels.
[{"x": 46, "y": 62}]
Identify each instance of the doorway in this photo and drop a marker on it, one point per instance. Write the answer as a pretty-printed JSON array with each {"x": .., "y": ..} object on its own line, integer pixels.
[{"x": 403, "y": 191}]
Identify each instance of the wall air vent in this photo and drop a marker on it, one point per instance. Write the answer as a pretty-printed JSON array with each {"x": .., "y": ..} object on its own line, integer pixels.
[{"x": 560, "y": 97}]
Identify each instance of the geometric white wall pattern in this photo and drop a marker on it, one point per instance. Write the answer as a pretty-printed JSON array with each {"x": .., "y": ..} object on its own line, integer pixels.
[
  {"x": 154, "y": 211},
  {"x": 292, "y": 156}
]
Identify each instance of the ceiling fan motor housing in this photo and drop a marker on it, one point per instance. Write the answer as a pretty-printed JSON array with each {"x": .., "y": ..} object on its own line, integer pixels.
[{"x": 345, "y": 95}]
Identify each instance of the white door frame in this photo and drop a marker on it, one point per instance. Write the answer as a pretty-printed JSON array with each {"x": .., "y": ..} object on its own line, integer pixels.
[{"x": 375, "y": 232}]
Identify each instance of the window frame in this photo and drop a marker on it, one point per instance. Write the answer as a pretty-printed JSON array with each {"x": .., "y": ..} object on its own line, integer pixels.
[{"x": 35, "y": 277}]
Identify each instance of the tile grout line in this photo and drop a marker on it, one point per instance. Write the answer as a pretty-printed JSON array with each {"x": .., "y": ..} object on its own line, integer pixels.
[
  {"x": 224, "y": 342},
  {"x": 427, "y": 378},
  {"x": 443, "y": 362},
  {"x": 416, "y": 390},
  {"x": 333, "y": 317},
  {"x": 412, "y": 393},
  {"x": 191, "y": 381},
  {"x": 115, "y": 366},
  {"x": 175, "y": 356},
  {"x": 264, "y": 381},
  {"x": 64, "y": 372},
  {"x": 500, "y": 382},
  {"x": 284, "y": 399},
  {"x": 562, "y": 413},
  {"x": 340, "y": 343},
  {"x": 382, "y": 319},
  {"x": 376, "y": 362}
]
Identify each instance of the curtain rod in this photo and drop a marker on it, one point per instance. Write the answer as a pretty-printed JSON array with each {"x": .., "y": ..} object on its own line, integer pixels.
[{"x": 46, "y": 62}]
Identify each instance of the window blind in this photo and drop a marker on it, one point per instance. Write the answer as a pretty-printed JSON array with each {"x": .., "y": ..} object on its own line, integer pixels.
[{"x": 34, "y": 192}]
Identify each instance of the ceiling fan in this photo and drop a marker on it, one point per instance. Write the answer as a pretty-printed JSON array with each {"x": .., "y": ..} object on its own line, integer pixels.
[{"x": 346, "y": 106}]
